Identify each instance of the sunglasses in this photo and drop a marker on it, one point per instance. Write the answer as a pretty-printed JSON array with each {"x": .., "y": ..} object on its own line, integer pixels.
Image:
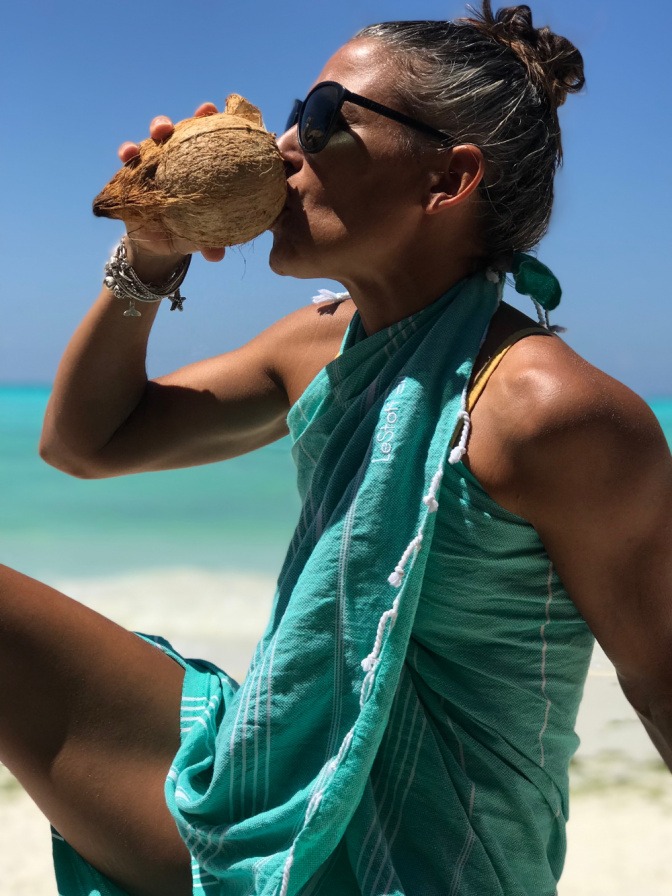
[{"x": 317, "y": 117}]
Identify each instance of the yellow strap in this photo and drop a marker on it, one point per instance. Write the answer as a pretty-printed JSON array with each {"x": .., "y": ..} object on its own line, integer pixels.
[{"x": 484, "y": 374}]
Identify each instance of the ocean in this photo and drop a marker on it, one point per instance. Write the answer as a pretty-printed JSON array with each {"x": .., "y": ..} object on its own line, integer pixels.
[
  {"x": 237, "y": 515},
  {"x": 191, "y": 554}
]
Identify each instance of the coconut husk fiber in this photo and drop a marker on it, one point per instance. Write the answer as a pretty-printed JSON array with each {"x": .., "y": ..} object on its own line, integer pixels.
[{"x": 216, "y": 181}]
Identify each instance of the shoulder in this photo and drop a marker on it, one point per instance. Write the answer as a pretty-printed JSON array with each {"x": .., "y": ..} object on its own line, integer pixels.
[
  {"x": 300, "y": 344},
  {"x": 322, "y": 321},
  {"x": 549, "y": 419}
]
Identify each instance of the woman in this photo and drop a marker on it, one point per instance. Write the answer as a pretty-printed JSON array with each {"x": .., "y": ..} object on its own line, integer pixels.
[{"x": 407, "y": 722}]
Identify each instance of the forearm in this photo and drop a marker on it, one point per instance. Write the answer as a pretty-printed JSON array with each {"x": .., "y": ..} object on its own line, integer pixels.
[{"x": 101, "y": 377}]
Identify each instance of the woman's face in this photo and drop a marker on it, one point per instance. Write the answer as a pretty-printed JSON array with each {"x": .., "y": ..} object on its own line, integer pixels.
[{"x": 353, "y": 209}]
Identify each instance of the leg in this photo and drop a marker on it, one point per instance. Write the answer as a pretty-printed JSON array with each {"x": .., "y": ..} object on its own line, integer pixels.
[{"x": 89, "y": 723}]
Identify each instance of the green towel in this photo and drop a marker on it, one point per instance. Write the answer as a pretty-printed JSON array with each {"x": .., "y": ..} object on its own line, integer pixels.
[
  {"x": 270, "y": 775},
  {"x": 277, "y": 781}
]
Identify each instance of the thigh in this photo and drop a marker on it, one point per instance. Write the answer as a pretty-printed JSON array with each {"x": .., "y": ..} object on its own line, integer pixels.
[{"x": 89, "y": 724}]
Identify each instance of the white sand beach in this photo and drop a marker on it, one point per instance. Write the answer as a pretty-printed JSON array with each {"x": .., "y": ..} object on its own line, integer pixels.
[{"x": 620, "y": 827}]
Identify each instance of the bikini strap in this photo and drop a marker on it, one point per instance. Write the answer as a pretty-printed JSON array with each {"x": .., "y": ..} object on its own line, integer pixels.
[{"x": 484, "y": 374}]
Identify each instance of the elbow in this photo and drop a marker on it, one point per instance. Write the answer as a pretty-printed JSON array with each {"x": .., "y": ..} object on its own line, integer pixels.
[
  {"x": 653, "y": 704},
  {"x": 57, "y": 455},
  {"x": 649, "y": 698}
]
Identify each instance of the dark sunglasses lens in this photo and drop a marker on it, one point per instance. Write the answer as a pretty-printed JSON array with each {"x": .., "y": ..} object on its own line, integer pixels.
[{"x": 318, "y": 117}]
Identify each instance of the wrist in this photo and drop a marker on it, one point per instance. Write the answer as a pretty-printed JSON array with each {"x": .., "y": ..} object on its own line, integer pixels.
[
  {"x": 151, "y": 268},
  {"x": 124, "y": 282}
]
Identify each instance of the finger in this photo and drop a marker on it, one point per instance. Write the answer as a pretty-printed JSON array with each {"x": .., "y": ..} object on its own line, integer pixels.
[
  {"x": 160, "y": 128},
  {"x": 206, "y": 109},
  {"x": 213, "y": 254},
  {"x": 128, "y": 151}
]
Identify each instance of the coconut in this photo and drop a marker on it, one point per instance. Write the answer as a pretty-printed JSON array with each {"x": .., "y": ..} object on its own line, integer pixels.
[{"x": 216, "y": 181}]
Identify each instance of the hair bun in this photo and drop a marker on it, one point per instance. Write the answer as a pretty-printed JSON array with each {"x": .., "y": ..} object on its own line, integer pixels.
[{"x": 552, "y": 62}]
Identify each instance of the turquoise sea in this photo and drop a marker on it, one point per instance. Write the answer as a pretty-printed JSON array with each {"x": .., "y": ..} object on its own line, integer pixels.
[
  {"x": 234, "y": 516},
  {"x": 237, "y": 515}
]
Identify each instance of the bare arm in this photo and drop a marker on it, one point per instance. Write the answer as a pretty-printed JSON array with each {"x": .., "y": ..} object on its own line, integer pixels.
[
  {"x": 105, "y": 418},
  {"x": 585, "y": 461},
  {"x": 614, "y": 554}
]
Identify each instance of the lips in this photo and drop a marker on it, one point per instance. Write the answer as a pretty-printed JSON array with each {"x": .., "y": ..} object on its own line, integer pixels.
[
  {"x": 278, "y": 221},
  {"x": 291, "y": 202}
]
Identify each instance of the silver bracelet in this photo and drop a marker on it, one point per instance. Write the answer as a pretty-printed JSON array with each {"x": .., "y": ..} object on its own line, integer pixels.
[{"x": 121, "y": 279}]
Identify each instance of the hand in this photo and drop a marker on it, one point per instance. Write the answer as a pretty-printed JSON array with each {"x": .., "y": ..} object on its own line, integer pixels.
[{"x": 149, "y": 249}]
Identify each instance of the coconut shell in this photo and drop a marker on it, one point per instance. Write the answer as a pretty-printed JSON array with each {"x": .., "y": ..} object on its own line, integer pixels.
[{"x": 218, "y": 180}]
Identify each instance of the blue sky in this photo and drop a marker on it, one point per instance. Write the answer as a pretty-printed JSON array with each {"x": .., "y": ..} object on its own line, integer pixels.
[{"x": 79, "y": 78}]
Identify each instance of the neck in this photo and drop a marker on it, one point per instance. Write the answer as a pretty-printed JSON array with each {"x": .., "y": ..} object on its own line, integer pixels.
[{"x": 384, "y": 300}]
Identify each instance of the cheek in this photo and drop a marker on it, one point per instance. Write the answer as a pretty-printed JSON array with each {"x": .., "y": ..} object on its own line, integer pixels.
[
  {"x": 362, "y": 196},
  {"x": 341, "y": 210},
  {"x": 321, "y": 212}
]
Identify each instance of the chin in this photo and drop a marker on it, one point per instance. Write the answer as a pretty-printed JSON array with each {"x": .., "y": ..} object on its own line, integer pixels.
[
  {"x": 282, "y": 253},
  {"x": 308, "y": 253},
  {"x": 279, "y": 264},
  {"x": 287, "y": 261}
]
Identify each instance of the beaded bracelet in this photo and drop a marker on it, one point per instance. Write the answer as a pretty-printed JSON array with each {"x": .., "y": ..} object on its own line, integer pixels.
[{"x": 121, "y": 279}]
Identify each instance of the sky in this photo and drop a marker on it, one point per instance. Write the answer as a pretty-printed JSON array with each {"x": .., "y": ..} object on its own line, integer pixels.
[{"x": 77, "y": 79}]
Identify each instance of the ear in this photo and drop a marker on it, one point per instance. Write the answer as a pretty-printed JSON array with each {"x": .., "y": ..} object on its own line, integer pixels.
[{"x": 459, "y": 173}]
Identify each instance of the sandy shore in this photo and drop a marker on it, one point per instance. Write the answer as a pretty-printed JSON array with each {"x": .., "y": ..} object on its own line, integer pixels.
[{"x": 620, "y": 827}]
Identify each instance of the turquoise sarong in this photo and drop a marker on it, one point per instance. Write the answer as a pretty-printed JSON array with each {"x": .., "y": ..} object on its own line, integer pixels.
[{"x": 271, "y": 782}]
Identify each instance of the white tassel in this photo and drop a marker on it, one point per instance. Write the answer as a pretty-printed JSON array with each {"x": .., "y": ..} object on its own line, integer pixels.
[
  {"x": 430, "y": 498},
  {"x": 285, "y": 872},
  {"x": 431, "y": 503},
  {"x": 460, "y": 449},
  {"x": 370, "y": 662},
  {"x": 542, "y": 315},
  {"x": 326, "y": 295},
  {"x": 545, "y": 320},
  {"x": 457, "y": 454},
  {"x": 397, "y": 576}
]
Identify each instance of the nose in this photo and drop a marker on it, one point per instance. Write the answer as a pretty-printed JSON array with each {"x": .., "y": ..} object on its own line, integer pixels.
[{"x": 290, "y": 151}]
